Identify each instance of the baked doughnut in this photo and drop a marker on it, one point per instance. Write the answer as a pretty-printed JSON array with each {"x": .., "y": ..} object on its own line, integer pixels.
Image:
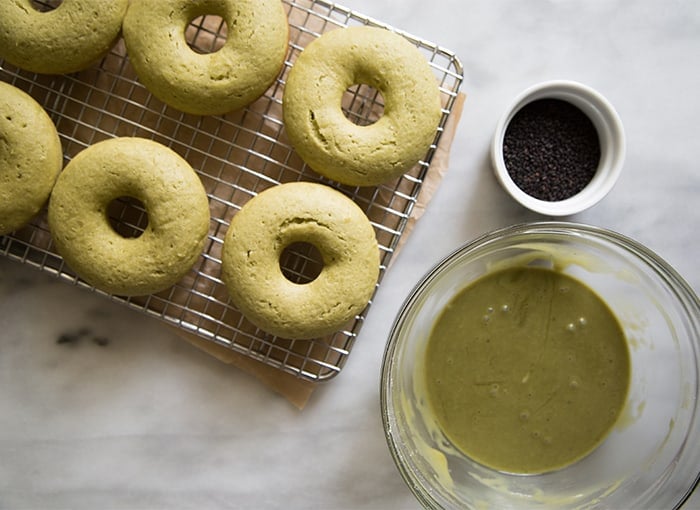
[
  {"x": 174, "y": 200},
  {"x": 291, "y": 213},
  {"x": 66, "y": 39},
  {"x": 212, "y": 83},
  {"x": 336, "y": 147},
  {"x": 30, "y": 157}
]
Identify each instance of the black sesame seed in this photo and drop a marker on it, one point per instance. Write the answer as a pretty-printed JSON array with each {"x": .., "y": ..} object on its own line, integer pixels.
[
  {"x": 101, "y": 341},
  {"x": 72, "y": 337},
  {"x": 551, "y": 149},
  {"x": 66, "y": 338}
]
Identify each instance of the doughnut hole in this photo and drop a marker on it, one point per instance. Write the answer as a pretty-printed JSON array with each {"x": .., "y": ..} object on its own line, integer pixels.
[
  {"x": 127, "y": 216},
  {"x": 301, "y": 262},
  {"x": 45, "y": 5},
  {"x": 206, "y": 34},
  {"x": 362, "y": 104}
]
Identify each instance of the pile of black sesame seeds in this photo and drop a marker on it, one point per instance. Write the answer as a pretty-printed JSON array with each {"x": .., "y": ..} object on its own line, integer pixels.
[{"x": 551, "y": 149}]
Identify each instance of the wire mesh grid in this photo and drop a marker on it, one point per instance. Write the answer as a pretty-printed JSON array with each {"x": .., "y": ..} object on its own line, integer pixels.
[{"x": 236, "y": 156}]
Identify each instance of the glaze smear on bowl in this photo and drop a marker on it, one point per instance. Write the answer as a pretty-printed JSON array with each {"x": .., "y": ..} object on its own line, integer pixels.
[{"x": 527, "y": 370}]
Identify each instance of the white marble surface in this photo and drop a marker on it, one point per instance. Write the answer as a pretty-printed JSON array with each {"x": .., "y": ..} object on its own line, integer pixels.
[{"x": 146, "y": 421}]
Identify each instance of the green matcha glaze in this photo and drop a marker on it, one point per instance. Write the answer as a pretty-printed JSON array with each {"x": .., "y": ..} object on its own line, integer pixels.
[{"x": 526, "y": 370}]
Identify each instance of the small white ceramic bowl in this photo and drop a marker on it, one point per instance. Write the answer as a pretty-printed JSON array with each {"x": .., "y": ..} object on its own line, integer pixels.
[{"x": 610, "y": 133}]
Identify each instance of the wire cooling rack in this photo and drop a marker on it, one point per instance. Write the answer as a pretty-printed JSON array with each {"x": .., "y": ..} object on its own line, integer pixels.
[{"x": 236, "y": 156}]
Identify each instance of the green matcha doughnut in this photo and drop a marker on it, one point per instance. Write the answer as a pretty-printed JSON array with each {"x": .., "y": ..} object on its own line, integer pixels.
[
  {"x": 300, "y": 213},
  {"x": 336, "y": 147},
  {"x": 174, "y": 200},
  {"x": 30, "y": 157},
  {"x": 64, "y": 40},
  {"x": 214, "y": 83}
]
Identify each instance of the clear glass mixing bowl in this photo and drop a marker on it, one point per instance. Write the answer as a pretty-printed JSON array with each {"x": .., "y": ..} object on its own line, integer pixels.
[{"x": 651, "y": 459}]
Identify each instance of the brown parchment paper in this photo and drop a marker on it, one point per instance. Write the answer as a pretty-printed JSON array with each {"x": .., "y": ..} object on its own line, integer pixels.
[{"x": 298, "y": 391}]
